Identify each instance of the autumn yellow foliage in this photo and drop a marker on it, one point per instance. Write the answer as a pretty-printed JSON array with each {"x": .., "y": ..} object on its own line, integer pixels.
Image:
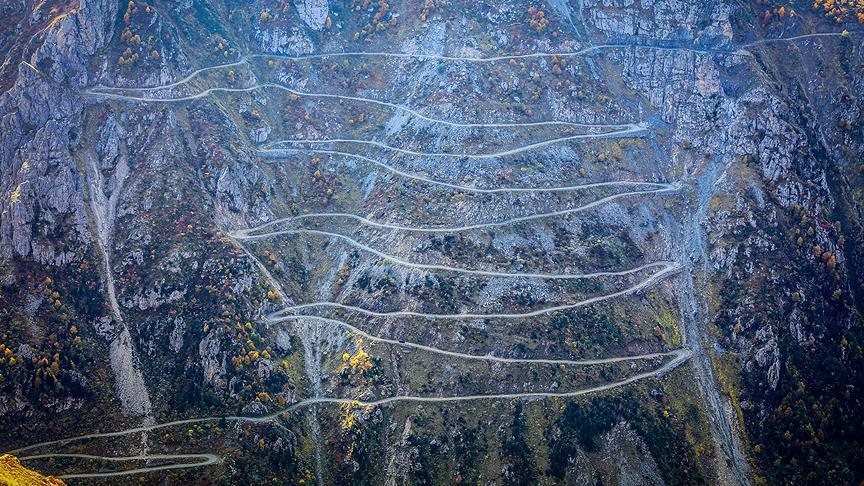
[
  {"x": 841, "y": 10},
  {"x": 838, "y": 10},
  {"x": 359, "y": 362},
  {"x": 538, "y": 19},
  {"x": 348, "y": 417},
  {"x": 12, "y": 473}
]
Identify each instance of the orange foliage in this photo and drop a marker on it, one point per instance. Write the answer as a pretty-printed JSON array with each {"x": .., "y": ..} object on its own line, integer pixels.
[
  {"x": 841, "y": 10},
  {"x": 538, "y": 19}
]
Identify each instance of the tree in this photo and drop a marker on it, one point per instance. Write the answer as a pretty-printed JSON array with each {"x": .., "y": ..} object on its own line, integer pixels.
[{"x": 519, "y": 469}]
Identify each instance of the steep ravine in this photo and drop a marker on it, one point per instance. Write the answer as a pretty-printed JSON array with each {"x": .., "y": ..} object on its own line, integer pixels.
[
  {"x": 131, "y": 388},
  {"x": 733, "y": 468}
]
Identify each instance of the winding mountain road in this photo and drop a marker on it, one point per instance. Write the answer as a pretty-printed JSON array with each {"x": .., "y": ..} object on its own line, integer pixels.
[
  {"x": 252, "y": 233},
  {"x": 799, "y": 37},
  {"x": 405, "y": 109},
  {"x": 630, "y": 129},
  {"x": 654, "y": 44},
  {"x": 680, "y": 356},
  {"x": 445, "y": 268},
  {"x": 470, "y": 189},
  {"x": 480, "y": 357},
  {"x": 202, "y": 460},
  {"x": 669, "y": 268},
  {"x": 442, "y": 57}
]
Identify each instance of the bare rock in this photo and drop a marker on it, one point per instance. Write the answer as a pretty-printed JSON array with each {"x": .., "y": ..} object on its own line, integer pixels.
[
  {"x": 313, "y": 12},
  {"x": 213, "y": 361}
]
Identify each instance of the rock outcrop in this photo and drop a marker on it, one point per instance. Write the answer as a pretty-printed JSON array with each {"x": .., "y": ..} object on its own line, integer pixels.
[{"x": 313, "y": 12}]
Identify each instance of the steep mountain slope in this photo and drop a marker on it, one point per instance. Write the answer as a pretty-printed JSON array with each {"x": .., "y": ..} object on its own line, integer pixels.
[
  {"x": 13, "y": 473},
  {"x": 431, "y": 242}
]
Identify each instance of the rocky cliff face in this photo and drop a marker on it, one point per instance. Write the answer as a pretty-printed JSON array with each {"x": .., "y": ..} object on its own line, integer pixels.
[{"x": 433, "y": 242}]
